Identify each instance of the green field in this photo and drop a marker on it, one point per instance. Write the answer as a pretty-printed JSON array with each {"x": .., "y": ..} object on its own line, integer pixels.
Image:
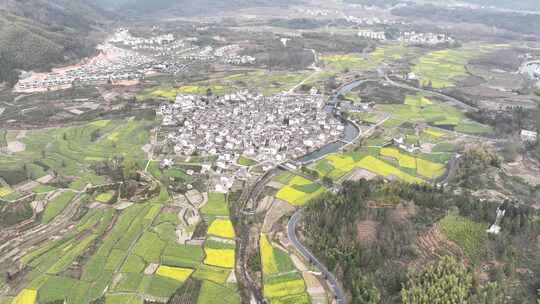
[
  {"x": 216, "y": 206},
  {"x": 385, "y": 53},
  {"x": 71, "y": 150},
  {"x": 420, "y": 109},
  {"x": 105, "y": 197},
  {"x": 244, "y": 161},
  {"x": 444, "y": 68},
  {"x": 56, "y": 205},
  {"x": 266, "y": 82},
  {"x": 212, "y": 293}
]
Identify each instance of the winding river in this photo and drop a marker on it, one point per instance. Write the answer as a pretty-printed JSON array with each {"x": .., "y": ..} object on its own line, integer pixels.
[{"x": 351, "y": 132}]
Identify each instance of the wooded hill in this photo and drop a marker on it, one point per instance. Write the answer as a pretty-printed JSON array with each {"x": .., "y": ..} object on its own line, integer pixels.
[
  {"x": 38, "y": 34},
  {"x": 374, "y": 236}
]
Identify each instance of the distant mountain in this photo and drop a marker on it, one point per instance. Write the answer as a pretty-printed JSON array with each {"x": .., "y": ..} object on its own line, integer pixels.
[
  {"x": 183, "y": 7},
  {"x": 37, "y": 34},
  {"x": 525, "y": 5}
]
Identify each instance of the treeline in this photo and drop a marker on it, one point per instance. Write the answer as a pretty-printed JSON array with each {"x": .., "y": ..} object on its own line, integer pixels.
[
  {"x": 377, "y": 271},
  {"x": 275, "y": 56},
  {"x": 298, "y": 24},
  {"x": 326, "y": 42}
]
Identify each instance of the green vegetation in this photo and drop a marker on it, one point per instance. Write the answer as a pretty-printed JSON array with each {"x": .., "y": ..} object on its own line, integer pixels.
[
  {"x": 105, "y": 197},
  {"x": 441, "y": 69},
  {"x": 469, "y": 235},
  {"x": 244, "y": 161},
  {"x": 70, "y": 151},
  {"x": 212, "y": 293},
  {"x": 56, "y": 206},
  {"x": 421, "y": 109},
  {"x": 351, "y": 62},
  {"x": 447, "y": 281},
  {"x": 216, "y": 206}
]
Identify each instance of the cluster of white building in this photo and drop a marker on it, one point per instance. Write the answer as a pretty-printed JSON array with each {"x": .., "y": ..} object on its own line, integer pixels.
[
  {"x": 269, "y": 130},
  {"x": 120, "y": 62},
  {"x": 124, "y": 37},
  {"x": 229, "y": 54},
  {"x": 111, "y": 64},
  {"x": 315, "y": 12},
  {"x": 414, "y": 38},
  {"x": 374, "y": 35},
  {"x": 371, "y": 20},
  {"x": 411, "y": 38}
]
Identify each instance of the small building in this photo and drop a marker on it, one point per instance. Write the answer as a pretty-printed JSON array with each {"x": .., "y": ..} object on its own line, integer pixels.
[{"x": 528, "y": 136}]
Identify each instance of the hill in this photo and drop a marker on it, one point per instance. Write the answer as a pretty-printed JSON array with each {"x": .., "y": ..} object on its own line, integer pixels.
[{"x": 38, "y": 34}]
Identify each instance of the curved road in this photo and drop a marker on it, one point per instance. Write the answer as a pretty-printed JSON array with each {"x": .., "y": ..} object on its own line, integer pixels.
[{"x": 332, "y": 281}]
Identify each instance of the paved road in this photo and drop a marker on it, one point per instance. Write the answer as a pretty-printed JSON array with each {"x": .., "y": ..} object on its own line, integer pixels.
[{"x": 332, "y": 281}]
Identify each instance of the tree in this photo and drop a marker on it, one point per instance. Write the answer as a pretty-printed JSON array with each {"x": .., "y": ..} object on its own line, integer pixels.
[
  {"x": 446, "y": 281},
  {"x": 129, "y": 169}
]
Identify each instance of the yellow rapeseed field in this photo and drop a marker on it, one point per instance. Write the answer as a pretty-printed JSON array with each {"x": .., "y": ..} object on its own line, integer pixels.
[
  {"x": 5, "y": 191},
  {"x": 430, "y": 169},
  {"x": 26, "y": 296},
  {"x": 296, "y": 197},
  {"x": 434, "y": 133},
  {"x": 221, "y": 228},
  {"x": 269, "y": 264},
  {"x": 379, "y": 167},
  {"x": 176, "y": 273},
  {"x": 219, "y": 257},
  {"x": 404, "y": 160},
  {"x": 278, "y": 290}
]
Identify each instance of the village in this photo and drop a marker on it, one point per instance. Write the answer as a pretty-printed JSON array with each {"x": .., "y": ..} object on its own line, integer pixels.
[
  {"x": 268, "y": 130},
  {"x": 410, "y": 38},
  {"x": 124, "y": 60}
]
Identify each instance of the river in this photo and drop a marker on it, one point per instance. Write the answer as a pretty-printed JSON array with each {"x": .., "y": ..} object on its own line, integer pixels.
[{"x": 351, "y": 132}]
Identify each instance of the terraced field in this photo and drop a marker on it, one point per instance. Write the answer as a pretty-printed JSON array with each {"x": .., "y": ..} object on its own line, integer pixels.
[
  {"x": 70, "y": 151},
  {"x": 282, "y": 282}
]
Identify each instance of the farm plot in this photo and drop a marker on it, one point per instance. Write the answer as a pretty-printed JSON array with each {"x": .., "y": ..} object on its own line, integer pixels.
[
  {"x": 164, "y": 93},
  {"x": 442, "y": 69},
  {"x": 436, "y": 114},
  {"x": 282, "y": 282},
  {"x": 216, "y": 206},
  {"x": 56, "y": 206},
  {"x": 175, "y": 273},
  {"x": 274, "y": 261},
  {"x": 342, "y": 164},
  {"x": 299, "y": 191},
  {"x": 424, "y": 168},
  {"x": 212, "y": 293},
  {"x": 343, "y": 62},
  {"x": 219, "y": 254},
  {"x": 221, "y": 228},
  {"x": 71, "y": 150}
]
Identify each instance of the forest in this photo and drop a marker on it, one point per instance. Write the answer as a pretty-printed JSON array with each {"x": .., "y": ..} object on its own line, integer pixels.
[{"x": 375, "y": 244}]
